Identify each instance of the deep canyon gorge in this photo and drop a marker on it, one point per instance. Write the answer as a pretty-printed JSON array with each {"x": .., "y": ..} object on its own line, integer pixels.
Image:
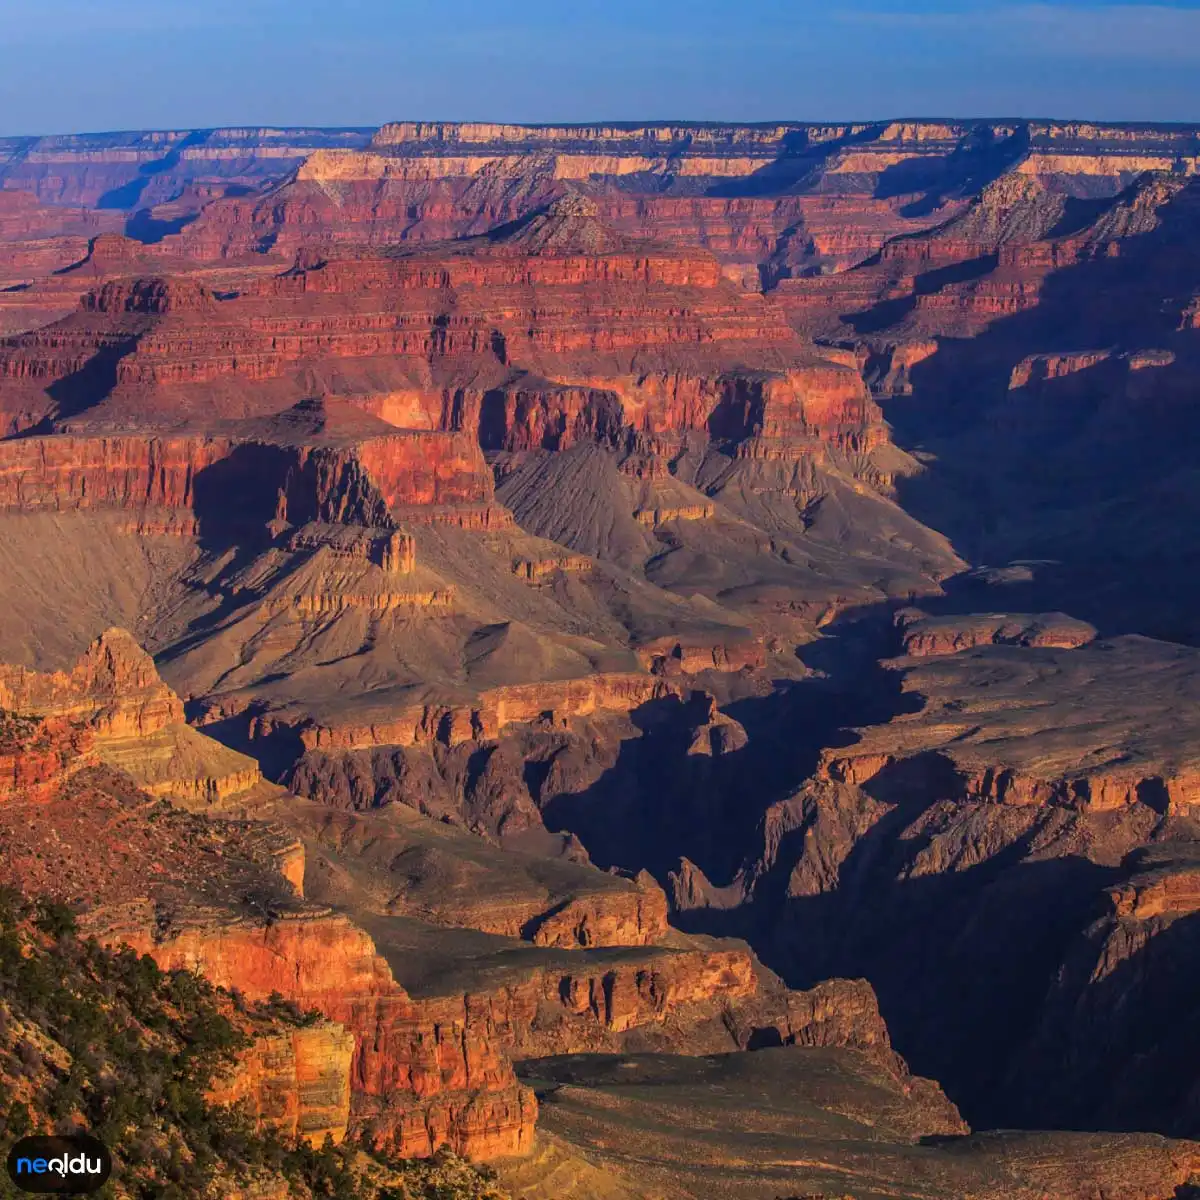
[{"x": 673, "y": 644}]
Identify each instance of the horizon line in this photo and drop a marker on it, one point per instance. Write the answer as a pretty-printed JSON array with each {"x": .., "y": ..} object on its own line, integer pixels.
[{"x": 655, "y": 123}]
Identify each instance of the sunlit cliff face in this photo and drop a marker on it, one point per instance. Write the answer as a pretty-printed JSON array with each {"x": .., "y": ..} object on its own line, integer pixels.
[{"x": 706, "y": 602}]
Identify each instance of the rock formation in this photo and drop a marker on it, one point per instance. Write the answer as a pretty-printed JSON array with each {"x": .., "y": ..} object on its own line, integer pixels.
[
  {"x": 714, "y": 596},
  {"x": 925, "y": 635},
  {"x": 1113, "y": 1035},
  {"x": 414, "y": 1071},
  {"x": 296, "y": 1081}
]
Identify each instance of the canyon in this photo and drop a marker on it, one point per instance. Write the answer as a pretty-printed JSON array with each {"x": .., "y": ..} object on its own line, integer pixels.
[{"x": 666, "y": 636}]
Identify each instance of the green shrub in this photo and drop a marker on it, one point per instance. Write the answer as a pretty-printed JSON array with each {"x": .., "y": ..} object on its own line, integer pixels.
[{"x": 142, "y": 1049}]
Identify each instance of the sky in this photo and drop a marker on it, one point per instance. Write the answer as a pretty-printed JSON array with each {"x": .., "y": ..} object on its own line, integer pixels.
[{"x": 96, "y": 65}]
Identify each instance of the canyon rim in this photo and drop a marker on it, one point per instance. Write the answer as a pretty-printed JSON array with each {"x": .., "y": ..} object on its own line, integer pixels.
[{"x": 631, "y": 661}]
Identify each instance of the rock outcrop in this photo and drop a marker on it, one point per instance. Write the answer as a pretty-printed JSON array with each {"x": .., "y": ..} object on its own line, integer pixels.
[
  {"x": 417, "y": 1080},
  {"x": 38, "y": 755},
  {"x": 296, "y": 1081},
  {"x": 1118, "y": 1023},
  {"x": 220, "y": 897},
  {"x": 556, "y": 702},
  {"x": 1003, "y": 726},
  {"x": 114, "y": 689},
  {"x": 538, "y": 502},
  {"x": 926, "y": 636},
  {"x": 643, "y": 920},
  {"x": 114, "y": 702}
]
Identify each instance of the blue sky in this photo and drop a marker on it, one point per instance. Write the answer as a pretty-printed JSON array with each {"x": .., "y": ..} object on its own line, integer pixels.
[{"x": 82, "y": 65}]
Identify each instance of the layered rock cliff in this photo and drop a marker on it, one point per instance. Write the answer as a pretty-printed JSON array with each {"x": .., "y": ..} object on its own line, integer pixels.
[
  {"x": 411, "y": 1069},
  {"x": 1114, "y": 1035},
  {"x": 199, "y": 894},
  {"x": 114, "y": 689},
  {"x": 297, "y": 1081},
  {"x": 114, "y": 706},
  {"x": 416, "y": 1083},
  {"x": 486, "y": 485}
]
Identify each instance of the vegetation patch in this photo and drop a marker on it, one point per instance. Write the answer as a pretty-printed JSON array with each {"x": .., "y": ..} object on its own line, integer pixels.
[{"x": 97, "y": 1041}]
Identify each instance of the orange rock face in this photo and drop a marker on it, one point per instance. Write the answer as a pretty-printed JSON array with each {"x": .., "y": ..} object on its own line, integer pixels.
[
  {"x": 417, "y": 1084},
  {"x": 639, "y": 919},
  {"x": 37, "y": 756},
  {"x": 550, "y": 1012},
  {"x": 134, "y": 472},
  {"x": 524, "y": 341},
  {"x": 298, "y": 1082},
  {"x": 497, "y": 709},
  {"x": 114, "y": 689},
  {"x": 194, "y": 478}
]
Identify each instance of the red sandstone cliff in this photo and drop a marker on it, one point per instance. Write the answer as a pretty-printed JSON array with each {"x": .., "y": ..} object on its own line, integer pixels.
[
  {"x": 114, "y": 689},
  {"x": 416, "y": 1083},
  {"x": 295, "y": 1080},
  {"x": 37, "y": 756},
  {"x": 749, "y": 471}
]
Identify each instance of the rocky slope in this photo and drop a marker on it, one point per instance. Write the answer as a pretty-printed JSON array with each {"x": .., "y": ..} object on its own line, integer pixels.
[
  {"x": 526, "y": 522},
  {"x": 996, "y": 859},
  {"x": 728, "y": 1125},
  {"x": 223, "y": 897},
  {"x": 152, "y": 1063},
  {"x": 413, "y": 1047}
]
